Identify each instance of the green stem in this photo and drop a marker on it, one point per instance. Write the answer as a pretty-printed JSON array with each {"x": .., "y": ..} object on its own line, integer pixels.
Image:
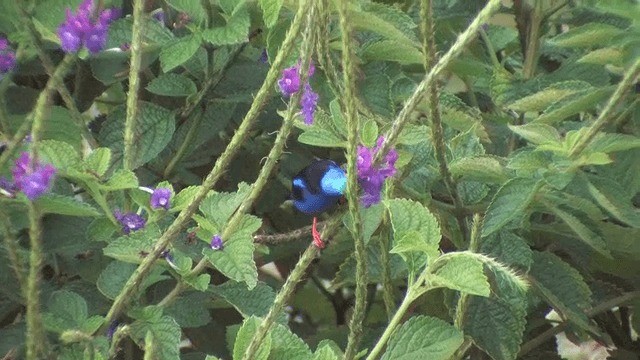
[
  {"x": 533, "y": 41},
  {"x": 22, "y": 131},
  {"x": 387, "y": 285},
  {"x": 393, "y": 324},
  {"x": 211, "y": 82},
  {"x": 474, "y": 244},
  {"x": 127, "y": 292},
  {"x": 35, "y": 333},
  {"x": 4, "y": 117},
  {"x": 10, "y": 243},
  {"x": 605, "y": 115},
  {"x": 280, "y": 301},
  {"x": 41, "y": 108},
  {"x": 351, "y": 115},
  {"x": 437, "y": 130},
  {"x": 490, "y": 49},
  {"x": 134, "y": 85},
  {"x": 461, "y": 42}
]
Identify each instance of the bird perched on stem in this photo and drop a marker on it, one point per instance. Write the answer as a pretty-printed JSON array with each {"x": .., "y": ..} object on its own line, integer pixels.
[{"x": 316, "y": 189}]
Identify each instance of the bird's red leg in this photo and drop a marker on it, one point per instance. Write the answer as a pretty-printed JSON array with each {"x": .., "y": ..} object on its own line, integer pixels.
[{"x": 317, "y": 240}]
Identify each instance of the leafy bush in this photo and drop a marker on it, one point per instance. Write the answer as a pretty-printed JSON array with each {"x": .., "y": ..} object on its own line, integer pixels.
[{"x": 148, "y": 149}]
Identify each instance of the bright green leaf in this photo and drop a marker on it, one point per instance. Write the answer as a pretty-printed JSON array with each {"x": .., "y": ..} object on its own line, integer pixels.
[
  {"x": 423, "y": 337},
  {"x": 509, "y": 204},
  {"x": 65, "y": 205},
  {"x": 98, "y": 161},
  {"x": 460, "y": 271},
  {"x": 172, "y": 85},
  {"x": 244, "y": 336},
  {"x": 179, "y": 51},
  {"x": 270, "y": 11}
]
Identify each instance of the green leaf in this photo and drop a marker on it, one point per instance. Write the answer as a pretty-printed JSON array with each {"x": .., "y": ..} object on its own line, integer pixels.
[
  {"x": 584, "y": 227},
  {"x": 588, "y": 35},
  {"x": 113, "y": 278},
  {"x": 65, "y": 205},
  {"x": 234, "y": 32},
  {"x": 287, "y": 345},
  {"x": 256, "y": 301},
  {"x": 423, "y": 337},
  {"x": 179, "y": 51},
  {"x": 325, "y": 351},
  {"x": 236, "y": 259},
  {"x": 101, "y": 229},
  {"x": 98, "y": 161},
  {"x": 321, "y": 138},
  {"x": 414, "y": 134},
  {"x": 496, "y": 325},
  {"x": 416, "y": 233},
  {"x": 200, "y": 283},
  {"x": 509, "y": 204},
  {"x": 369, "y": 133},
  {"x": 218, "y": 207},
  {"x": 192, "y": 8},
  {"x": 244, "y": 336},
  {"x": 544, "y": 98},
  {"x": 66, "y": 310},
  {"x": 573, "y": 104},
  {"x": 380, "y": 20},
  {"x": 606, "y": 143},
  {"x": 347, "y": 273},
  {"x": 391, "y": 50},
  {"x": 460, "y": 271},
  {"x": 370, "y": 217},
  {"x": 537, "y": 133},
  {"x": 184, "y": 198},
  {"x": 190, "y": 309},
  {"x": 172, "y": 85},
  {"x": 485, "y": 169},
  {"x": 61, "y": 126},
  {"x": 614, "y": 199},
  {"x": 562, "y": 287},
  {"x": 508, "y": 248},
  {"x": 154, "y": 128},
  {"x": 270, "y": 11},
  {"x": 133, "y": 247},
  {"x": 166, "y": 333},
  {"x": 120, "y": 180},
  {"x": 59, "y": 154}
]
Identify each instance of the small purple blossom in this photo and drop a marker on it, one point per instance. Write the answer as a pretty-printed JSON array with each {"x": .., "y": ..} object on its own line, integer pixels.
[
  {"x": 7, "y": 57},
  {"x": 216, "y": 243},
  {"x": 159, "y": 15},
  {"x": 85, "y": 28},
  {"x": 31, "y": 177},
  {"x": 112, "y": 329},
  {"x": 308, "y": 104},
  {"x": 264, "y": 57},
  {"x": 129, "y": 221},
  {"x": 370, "y": 177},
  {"x": 289, "y": 84},
  {"x": 160, "y": 198}
]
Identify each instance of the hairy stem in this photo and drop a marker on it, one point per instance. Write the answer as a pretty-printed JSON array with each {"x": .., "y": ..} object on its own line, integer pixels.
[
  {"x": 437, "y": 130},
  {"x": 210, "y": 83},
  {"x": 461, "y": 42},
  {"x": 605, "y": 115},
  {"x": 10, "y": 244},
  {"x": 35, "y": 332},
  {"x": 134, "y": 85},
  {"x": 127, "y": 293},
  {"x": 351, "y": 116}
]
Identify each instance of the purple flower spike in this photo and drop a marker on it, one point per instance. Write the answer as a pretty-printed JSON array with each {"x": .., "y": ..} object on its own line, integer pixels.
[
  {"x": 308, "y": 104},
  {"x": 216, "y": 243},
  {"x": 84, "y": 28},
  {"x": 161, "y": 198},
  {"x": 370, "y": 177},
  {"x": 7, "y": 57},
  {"x": 129, "y": 221},
  {"x": 32, "y": 178}
]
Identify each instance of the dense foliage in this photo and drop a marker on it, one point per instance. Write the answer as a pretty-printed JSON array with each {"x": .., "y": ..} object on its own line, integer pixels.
[{"x": 492, "y": 155}]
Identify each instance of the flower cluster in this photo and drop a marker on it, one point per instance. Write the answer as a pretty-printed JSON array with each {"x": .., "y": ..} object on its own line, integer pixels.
[
  {"x": 7, "y": 57},
  {"x": 86, "y": 27},
  {"x": 371, "y": 177},
  {"x": 129, "y": 221},
  {"x": 289, "y": 84},
  {"x": 30, "y": 177},
  {"x": 160, "y": 198}
]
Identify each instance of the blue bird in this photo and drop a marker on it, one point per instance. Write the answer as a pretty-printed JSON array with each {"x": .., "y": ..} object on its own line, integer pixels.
[{"x": 316, "y": 189}]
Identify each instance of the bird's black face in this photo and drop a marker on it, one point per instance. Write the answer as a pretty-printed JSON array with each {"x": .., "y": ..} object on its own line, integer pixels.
[{"x": 318, "y": 187}]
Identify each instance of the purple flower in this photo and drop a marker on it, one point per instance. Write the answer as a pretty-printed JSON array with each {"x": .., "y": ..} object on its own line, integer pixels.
[
  {"x": 112, "y": 329},
  {"x": 161, "y": 198},
  {"x": 84, "y": 28},
  {"x": 7, "y": 57},
  {"x": 308, "y": 104},
  {"x": 216, "y": 243},
  {"x": 129, "y": 221},
  {"x": 31, "y": 177},
  {"x": 370, "y": 177},
  {"x": 159, "y": 15},
  {"x": 290, "y": 81},
  {"x": 264, "y": 57}
]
